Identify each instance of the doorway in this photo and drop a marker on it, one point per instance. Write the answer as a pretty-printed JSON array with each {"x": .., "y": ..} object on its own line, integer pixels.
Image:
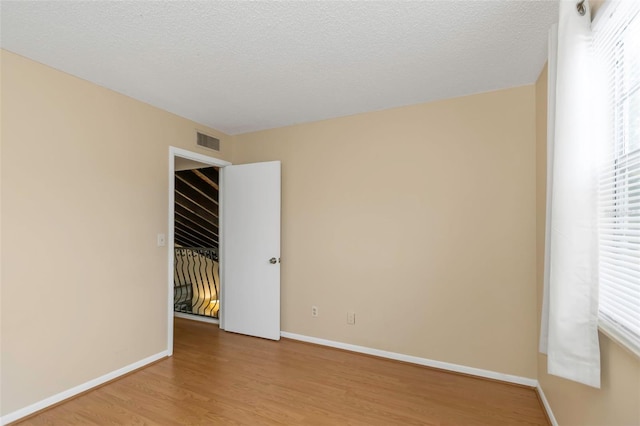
[
  {"x": 196, "y": 277},
  {"x": 249, "y": 210},
  {"x": 180, "y": 160}
]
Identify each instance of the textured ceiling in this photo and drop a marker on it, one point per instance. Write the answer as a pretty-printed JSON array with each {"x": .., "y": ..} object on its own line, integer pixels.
[{"x": 245, "y": 66}]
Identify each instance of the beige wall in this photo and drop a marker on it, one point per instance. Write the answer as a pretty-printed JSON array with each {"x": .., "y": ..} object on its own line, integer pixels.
[
  {"x": 84, "y": 193},
  {"x": 618, "y": 401},
  {"x": 421, "y": 220}
]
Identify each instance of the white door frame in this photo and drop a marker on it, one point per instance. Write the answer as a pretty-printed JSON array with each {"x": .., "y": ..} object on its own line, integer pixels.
[{"x": 216, "y": 162}]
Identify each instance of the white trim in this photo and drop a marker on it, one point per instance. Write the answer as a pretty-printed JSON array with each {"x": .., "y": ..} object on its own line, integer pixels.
[
  {"x": 613, "y": 332},
  {"x": 196, "y": 318},
  {"x": 69, "y": 393},
  {"x": 221, "y": 246},
  {"x": 488, "y": 374},
  {"x": 546, "y": 405},
  {"x": 415, "y": 360},
  {"x": 183, "y": 153}
]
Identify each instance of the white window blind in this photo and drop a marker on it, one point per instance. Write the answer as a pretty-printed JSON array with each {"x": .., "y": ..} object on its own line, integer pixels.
[{"x": 617, "y": 49}]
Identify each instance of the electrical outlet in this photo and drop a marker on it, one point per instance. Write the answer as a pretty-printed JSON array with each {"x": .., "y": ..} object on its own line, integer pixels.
[
  {"x": 351, "y": 318},
  {"x": 314, "y": 311}
]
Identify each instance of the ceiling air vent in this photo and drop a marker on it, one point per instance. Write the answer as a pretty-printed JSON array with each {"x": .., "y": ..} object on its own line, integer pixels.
[{"x": 208, "y": 141}]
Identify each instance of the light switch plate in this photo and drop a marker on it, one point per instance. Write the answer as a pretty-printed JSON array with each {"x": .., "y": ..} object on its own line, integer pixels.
[{"x": 162, "y": 240}]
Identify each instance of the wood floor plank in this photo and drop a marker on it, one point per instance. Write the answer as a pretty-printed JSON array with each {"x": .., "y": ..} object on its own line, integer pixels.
[{"x": 229, "y": 379}]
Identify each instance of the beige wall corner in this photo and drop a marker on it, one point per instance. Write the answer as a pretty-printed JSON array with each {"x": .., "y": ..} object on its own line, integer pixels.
[
  {"x": 618, "y": 401},
  {"x": 84, "y": 193},
  {"x": 421, "y": 220}
]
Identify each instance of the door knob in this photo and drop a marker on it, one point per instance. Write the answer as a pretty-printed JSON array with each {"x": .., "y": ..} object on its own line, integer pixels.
[{"x": 273, "y": 261}]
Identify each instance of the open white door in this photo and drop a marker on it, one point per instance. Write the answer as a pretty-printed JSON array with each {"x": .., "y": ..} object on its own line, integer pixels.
[{"x": 251, "y": 249}]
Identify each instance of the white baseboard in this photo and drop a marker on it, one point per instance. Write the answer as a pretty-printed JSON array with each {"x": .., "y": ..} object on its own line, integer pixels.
[
  {"x": 196, "y": 318},
  {"x": 547, "y": 407},
  {"x": 416, "y": 360},
  {"x": 488, "y": 374},
  {"x": 59, "y": 397}
]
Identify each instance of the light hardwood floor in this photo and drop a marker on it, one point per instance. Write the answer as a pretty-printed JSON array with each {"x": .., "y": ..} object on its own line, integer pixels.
[{"x": 223, "y": 378}]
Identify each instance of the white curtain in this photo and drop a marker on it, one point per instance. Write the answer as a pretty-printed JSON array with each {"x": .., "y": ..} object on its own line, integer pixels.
[{"x": 569, "y": 332}]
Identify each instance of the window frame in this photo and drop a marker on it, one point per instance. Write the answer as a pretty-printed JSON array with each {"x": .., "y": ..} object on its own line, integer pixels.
[{"x": 607, "y": 324}]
